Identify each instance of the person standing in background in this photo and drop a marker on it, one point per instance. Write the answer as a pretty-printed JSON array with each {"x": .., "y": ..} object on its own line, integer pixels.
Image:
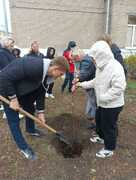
[
  {"x": 69, "y": 76},
  {"x": 16, "y": 52},
  {"x": 34, "y": 50},
  {"x": 50, "y": 55},
  {"x": 6, "y": 56},
  {"x": 115, "y": 50},
  {"x": 86, "y": 73}
]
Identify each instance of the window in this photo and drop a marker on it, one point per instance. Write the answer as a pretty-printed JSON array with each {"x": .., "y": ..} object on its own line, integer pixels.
[{"x": 131, "y": 32}]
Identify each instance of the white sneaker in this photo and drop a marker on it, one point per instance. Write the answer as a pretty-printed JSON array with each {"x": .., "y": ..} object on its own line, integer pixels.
[
  {"x": 103, "y": 153},
  {"x": 29, "y": 154},
  {"x": 46, "y": 95},
  {"x": 52, "y": 96},
  {"x": 4, "y": 116},
  {"x": 97, "y": 139}
]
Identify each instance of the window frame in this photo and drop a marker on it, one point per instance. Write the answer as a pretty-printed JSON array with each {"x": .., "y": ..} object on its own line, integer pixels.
[{"x": 132, "y": 36}]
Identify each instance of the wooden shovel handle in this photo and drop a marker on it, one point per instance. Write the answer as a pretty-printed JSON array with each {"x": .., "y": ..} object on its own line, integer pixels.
[{"x": 20, "y": 110}]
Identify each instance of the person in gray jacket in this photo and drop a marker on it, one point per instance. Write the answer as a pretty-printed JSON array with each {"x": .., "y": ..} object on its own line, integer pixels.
[{"x": 86, "y": 72}]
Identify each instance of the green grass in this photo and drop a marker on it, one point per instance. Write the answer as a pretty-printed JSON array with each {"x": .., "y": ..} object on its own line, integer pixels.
[{"x": 131, "y": 84}]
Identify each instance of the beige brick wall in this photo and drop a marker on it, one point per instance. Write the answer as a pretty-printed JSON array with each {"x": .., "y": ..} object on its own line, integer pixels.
[
  {"x": 54, "y": 23},
  {"x": 78, "y": 20},
  {"x": 119, "y": 22}
]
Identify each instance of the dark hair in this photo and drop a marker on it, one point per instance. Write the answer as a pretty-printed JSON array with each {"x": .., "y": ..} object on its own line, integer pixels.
[
  {"x": 18, "y": 52},
  {"x": 71, "y": 44},
  {"x": 49, "y": 55}
]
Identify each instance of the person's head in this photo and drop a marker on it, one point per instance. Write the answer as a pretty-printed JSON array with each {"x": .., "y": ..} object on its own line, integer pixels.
[
  {"x": 7, "y": 42},
  {"x": 58, "y": 67},
  {"x": 34, "y": 47},
  {"x": 107, "y": 38},
  {"x": 16, "y": 52},
  {"x": 50, "y": 52},
  {"x": 77, "y": 55},
  {"x": 101, "y": 53},
  {"x": 71, "y": 45}
]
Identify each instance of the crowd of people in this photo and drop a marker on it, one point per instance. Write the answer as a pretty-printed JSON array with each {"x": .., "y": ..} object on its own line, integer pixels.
[{"x": 26, "y": 81}]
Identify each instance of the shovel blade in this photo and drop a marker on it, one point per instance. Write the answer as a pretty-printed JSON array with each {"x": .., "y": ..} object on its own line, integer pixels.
[{"x": 62, "y": 138}]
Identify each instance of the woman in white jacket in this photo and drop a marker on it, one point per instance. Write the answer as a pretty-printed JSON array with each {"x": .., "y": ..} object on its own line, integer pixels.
[{"x": 109, "y": 85}]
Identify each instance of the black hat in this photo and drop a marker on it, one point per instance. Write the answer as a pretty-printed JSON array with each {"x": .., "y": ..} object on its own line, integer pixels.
[{"x": 71, "y": 44}]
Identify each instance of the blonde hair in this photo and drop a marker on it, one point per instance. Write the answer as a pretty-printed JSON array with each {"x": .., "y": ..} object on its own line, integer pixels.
[
  {"x": 61, "y": 62},
  {"x": 105, "y": 37}
]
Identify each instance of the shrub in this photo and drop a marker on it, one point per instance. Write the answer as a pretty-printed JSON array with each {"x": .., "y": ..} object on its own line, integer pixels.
[{"x": 130, "y": 62}]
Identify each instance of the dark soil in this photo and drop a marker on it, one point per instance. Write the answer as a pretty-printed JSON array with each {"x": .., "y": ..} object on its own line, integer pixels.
[{"x": 56, "y": 160}]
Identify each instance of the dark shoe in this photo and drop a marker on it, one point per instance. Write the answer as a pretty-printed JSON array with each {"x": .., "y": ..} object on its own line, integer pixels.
[
  {"x": 29, "y": 154},
  {"x": 91, "y": 126},
  {"x": 36, "y": 133}
]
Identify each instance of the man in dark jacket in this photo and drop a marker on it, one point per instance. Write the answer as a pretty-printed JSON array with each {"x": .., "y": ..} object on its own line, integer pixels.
[
  {"x": 6, "y": 56},
  {"x": 34, "y": 51},
  {"x": 22, "y": 82}
]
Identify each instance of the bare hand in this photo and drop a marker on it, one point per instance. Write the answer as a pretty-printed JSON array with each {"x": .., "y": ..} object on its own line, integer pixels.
[
  {"x": 41, "y": 116},
  {"x": 14, "y": 104},
  {"x": 75, "y": 81}
]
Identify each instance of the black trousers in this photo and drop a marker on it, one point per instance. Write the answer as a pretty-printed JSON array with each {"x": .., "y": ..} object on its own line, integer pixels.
[
  {"x": 106, "y": 125},
  {"x": 50, "y": 87}
]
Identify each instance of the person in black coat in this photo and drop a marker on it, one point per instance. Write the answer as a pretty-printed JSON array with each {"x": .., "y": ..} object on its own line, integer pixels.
[
  {"x": 16, "y": 52},
  {"x": 34, "y": 50},
  {"x": 22, "y": 83},
  {"x": 6, "y": 56},
  {"x": 50, "y": 55}
]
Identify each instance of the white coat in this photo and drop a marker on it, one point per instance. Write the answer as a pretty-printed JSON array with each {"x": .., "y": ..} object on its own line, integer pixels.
[{"x": 109, "y": 83}]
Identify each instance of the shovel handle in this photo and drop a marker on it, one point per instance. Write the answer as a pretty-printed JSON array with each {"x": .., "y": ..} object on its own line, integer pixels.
[{"x": 22, "y": 111}]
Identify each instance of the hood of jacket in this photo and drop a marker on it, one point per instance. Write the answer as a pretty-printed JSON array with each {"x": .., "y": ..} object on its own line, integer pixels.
[
  {"x": 50, "y": 52},
  {"x": 101, "y": 53}
]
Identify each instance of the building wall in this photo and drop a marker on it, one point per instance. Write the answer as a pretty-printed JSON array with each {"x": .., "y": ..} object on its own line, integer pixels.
[
  {"x": 119, "y": 19},
  {"x": 53, "y": 23}
]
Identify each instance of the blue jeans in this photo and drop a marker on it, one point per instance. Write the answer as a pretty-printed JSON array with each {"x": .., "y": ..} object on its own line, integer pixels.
[
  {"x": 14, "y": 125},
  {"x": 27, "y": 102}
]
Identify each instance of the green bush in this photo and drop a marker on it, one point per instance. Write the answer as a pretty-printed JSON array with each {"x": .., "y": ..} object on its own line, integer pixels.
[{"x": 130, "y": 62}]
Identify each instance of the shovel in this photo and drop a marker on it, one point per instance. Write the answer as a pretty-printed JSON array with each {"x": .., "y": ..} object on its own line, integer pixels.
[{"x": 20, "y": 110}]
